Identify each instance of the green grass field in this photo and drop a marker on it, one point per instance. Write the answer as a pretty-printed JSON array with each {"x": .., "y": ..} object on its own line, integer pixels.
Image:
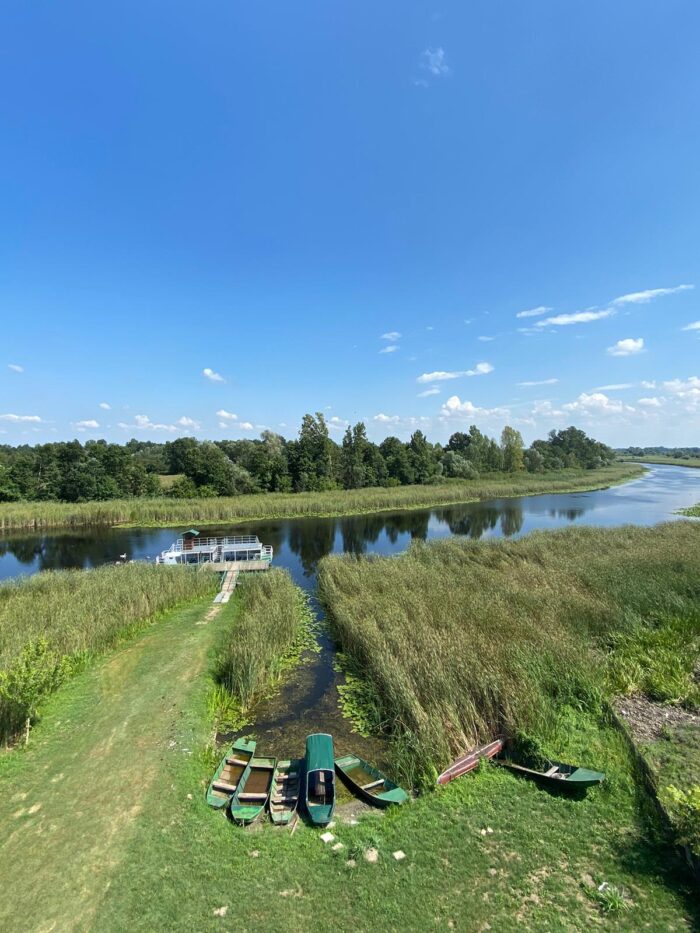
[
  {"x": 669, "y": 461},
  {"x": 105, "y": 828},
  {"x": 175, "y": 512}
]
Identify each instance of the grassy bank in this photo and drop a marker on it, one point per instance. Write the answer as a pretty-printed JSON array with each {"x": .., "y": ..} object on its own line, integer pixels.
[
  {"x": 669, "y": 461},
  {"x": 264, "y": 630},
  {"x": 51, "y": 624},
  {"x": 458, "y": 640},
  {"x": 142, "y": 851},
  {"x": 692, "y": 512},
  {"x": 176, "y": 512}
]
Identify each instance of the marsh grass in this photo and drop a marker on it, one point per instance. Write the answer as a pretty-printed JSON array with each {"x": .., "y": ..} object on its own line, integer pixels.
[
  {"x": 53, "y": 623},
  {"x": 458, "y": 640},
  {"x": 165, "y": 512},
  {"x": 267, "y": 626},
  {"x": 692, "y": 512}
]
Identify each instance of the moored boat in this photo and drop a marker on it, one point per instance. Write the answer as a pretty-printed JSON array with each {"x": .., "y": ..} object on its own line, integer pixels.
[
  {"x": 368, "y": 782},
  {"x": 319, "y": 778},
  {"x": 253, "y": 791},
  {"x": 229, "y": 772},
  {"x": 558, "y": 774},
  {"x": 284, "y": 797},
  {"x": 470, "y": 760}
]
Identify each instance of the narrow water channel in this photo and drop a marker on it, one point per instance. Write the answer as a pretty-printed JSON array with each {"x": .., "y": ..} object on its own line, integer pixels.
[{"x": 309, "y": 700}]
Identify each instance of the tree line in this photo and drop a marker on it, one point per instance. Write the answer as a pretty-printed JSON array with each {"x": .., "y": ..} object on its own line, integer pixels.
[{"x": 187, "y": 468}]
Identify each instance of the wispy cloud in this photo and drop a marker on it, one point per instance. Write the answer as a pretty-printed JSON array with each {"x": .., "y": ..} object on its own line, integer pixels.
[
  {"x": 226, "y": 415},
  {"x": 186, "y": 422},
  {"x": 105, "y": 405},
  {"x": 627, "y": 347},
  {"x": 636, "y": 298},
  {"x": 577, "y": 317},
  {"x": 534, "y": 312},
  {"x": 21, "y": 419},
  {"x": 433, "y": 390},
  {"x": 539, "y": 382},
  {"x": 212, "y": 376},
  {"x": 485, "y": 339},
  {"x": 652, "y": 402},
  {"x": 434, "y": 61},
  {"x": 15, "y": 367},
  {"x": 481, "y": 369},
  {"x": 144, "y": 423},
  {"x": 392, "y": 348},
  {"x": 616, "y": 387},
  {"x": 694, "y": 326},
  {"x": 337, "y": 424},
  {"x": 391, "y": 335}
]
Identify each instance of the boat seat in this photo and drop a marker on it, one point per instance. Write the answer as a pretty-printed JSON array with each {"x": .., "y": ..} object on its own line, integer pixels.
[
  {"x": 236, "y": 761},
  {"x": 373, "y": 784},
  {"x": 222, "y": 785},
  {"x": 553, "y": 770},
  {"x": 252, "y": 796}
]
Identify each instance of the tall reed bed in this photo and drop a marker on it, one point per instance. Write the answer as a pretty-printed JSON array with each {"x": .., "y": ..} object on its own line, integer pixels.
[
  {"x": 461, "y": 639},
  {"x": 267, "y": 626},
  {"x": 52, "y": 623},
  {"x": 164, "y": 512}
]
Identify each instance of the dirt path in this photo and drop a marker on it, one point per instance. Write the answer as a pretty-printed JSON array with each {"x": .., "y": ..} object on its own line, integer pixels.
[{"x": 68, "y": 804}]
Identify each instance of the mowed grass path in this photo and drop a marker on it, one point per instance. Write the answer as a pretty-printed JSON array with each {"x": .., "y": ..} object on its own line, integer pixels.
[
  {"x": 68, "y": 803},
  {"x": 105, "y": 827}
]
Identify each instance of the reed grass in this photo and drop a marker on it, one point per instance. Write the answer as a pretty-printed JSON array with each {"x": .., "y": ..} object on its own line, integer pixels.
[
  {"x": 460, "y": 639},
  {"x": 163, "y": 512},
  {"x": 51, "y": 624},
  {"x": 692, "y": 512},
  {"x": 268, "y": 627}
]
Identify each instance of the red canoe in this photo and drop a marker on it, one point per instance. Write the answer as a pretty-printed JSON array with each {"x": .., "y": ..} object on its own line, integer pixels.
[{"x": 469, "y": 761}]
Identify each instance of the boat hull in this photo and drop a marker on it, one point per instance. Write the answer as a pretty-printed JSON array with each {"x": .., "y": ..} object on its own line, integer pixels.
[
  {"x": 468, "y": 762},
  {"x": 566, "y": 777},
  {"x": 319, "y": 779},
  {"x": 253, "y": 791},
  {"x": 286, "y": 784},
  {"x": 229, "y": 773},
  {"x": 378, "y": 791}
]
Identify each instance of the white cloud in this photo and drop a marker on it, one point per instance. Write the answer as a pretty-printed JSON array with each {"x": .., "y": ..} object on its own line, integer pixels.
[
  {"x": 648, "y": 383},
  {"x": 381, "y": 418},
  {"x": 245, "y": 426},
  {"x": 694, "y": 326},
  {"x": 619, "y": 386},
  {"x": 15, "y": 367},
  {"x": 337, "y": 424},
  {"x": 391, "y": 335},
  {"x": 22, "y": 419},
  {"x": 433, "y": 390},
  {"x": 454, "y": 407},
  {"x": 597, "y": 403},
  {"x": 627, "y": 347},
  {"x": 486, "y": 339},
  {"x": 105, "y": 405},
  {"x": 433, "y": 61},
  {"x": 144, "y": 423},
  {"x": 481, "y": 369},
  {"x": 86, "y": 425},
  {"x": 684, "y": 387},
  {"x": 653, "y": 402},
  {"x": 539, "y": 382},
  {"x": 534, "y": 312},
  {"x": 186, "y": 422},
  {"x": 392, "y": 348},
  {"x": 578, "y": 317},
  {"x": 226, "y": 415},
  {"x": 635, "y": 298},
  {"x": 212, "y": 376}
]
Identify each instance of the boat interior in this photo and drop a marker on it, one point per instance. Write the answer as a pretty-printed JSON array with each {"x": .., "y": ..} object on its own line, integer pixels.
[{"x": 321, "y": 788}]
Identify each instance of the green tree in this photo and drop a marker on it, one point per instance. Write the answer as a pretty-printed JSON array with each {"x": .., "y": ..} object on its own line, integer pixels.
[{"x": 512, "y": 448}]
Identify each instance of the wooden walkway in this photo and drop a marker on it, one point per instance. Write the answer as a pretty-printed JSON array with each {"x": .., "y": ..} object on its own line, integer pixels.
[{"x": 227, "y": 587}]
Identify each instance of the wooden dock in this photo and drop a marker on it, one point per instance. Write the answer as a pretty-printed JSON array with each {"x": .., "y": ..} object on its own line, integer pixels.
[{"x": 233, "y": 569}]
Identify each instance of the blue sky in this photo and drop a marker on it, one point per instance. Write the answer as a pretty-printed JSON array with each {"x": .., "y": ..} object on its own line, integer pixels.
[{"x": 262, "y": 209}]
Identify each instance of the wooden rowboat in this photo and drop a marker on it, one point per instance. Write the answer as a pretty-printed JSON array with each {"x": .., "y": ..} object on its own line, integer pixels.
[
  {"x": 368, "y": 782},
  {"x": 566, "y": 777},
  {"x": 229, "y": 772},
  {"x": 253, "y": 791},
  {"x": 319, "y": 778},
  {"x": 470, "y": 760},
  {"x": 284, "y": 797}
]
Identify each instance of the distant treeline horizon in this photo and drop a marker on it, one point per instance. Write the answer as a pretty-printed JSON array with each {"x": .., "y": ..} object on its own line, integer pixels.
[
  {"x": 69, "y": 471},
  {"x": 675, "y": 452}
]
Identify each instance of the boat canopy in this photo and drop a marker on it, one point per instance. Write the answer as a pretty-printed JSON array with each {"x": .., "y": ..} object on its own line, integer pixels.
[{"x": 319, "y": 752}]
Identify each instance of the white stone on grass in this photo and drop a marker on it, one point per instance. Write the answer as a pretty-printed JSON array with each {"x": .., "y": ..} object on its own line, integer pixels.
[
  {"x": 399, "y": 856},
  {"x": 327, "y": 837}
]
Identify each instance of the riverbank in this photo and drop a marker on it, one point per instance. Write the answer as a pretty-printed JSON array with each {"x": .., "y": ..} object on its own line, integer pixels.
[
  {"x": 693, "y": 462},
  {"x": 692, "y": 512},
  {"x": 163, "y": 512}
]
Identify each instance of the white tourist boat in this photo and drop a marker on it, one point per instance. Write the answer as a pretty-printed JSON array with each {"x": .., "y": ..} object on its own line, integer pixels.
[{"x": 192, "y": 548}]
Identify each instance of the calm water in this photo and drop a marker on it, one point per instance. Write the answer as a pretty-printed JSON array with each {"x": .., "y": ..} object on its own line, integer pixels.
[{"x": 309, "y": 702}]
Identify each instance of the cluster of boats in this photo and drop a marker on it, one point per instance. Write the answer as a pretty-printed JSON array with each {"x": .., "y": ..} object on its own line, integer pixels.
[{"x": 245, "y": 785}]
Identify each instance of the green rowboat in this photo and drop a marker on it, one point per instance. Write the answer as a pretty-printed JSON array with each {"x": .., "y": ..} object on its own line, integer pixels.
[
  {"x": 560, "y": 775},
  {"x": 319, "y": 778},
  {"x": 368, "y": 782},
  {"x": 253, "y": 791},
  {"x": 230, "y": 771},
  {"x": 285, "y": 791}
]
